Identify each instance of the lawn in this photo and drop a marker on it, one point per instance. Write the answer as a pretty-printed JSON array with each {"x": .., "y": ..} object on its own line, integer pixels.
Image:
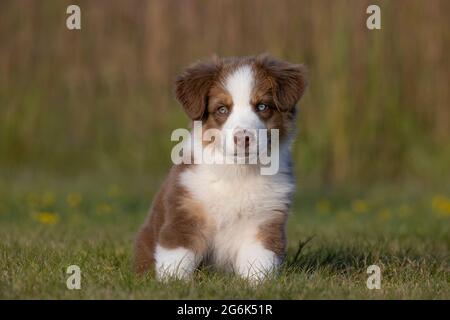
[{"x": 333, "y": 237}]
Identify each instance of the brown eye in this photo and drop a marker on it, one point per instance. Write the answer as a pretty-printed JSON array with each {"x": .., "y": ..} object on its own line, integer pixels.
[
  {"x": 222, "y": 110},
  {"x": 262, "y": 107}
]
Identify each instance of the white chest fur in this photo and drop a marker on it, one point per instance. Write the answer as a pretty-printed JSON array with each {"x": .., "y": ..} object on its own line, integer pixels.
[{"x": 238, "y": 199}]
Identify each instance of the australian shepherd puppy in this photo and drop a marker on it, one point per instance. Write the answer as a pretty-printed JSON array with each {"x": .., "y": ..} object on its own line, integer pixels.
[{"x": 230, "y": 215}]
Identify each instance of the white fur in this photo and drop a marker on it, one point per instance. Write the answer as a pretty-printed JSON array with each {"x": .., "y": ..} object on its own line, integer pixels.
[
  {"x": 240, "y": 85},
  {"x": 177, "y": 263},
  {"x": 255, "y": 262},
  {"x": 239, "y": 200}
]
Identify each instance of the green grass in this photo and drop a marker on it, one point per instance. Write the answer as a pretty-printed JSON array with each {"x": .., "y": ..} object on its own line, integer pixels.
[{"x": 43, "y": 231}]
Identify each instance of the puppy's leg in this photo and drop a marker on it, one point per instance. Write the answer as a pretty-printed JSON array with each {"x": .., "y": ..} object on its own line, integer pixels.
[
  {"x": 177, "y": 263},
  {"x": 182, "y": 244},
  {"x": 254, "y": 262},
  {"x": 260, "y": 256}
]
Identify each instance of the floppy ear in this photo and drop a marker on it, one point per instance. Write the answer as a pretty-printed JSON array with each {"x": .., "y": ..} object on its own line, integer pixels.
[
  {"x": 288, "y": 81},
  {"x": 192, "y": 87}
]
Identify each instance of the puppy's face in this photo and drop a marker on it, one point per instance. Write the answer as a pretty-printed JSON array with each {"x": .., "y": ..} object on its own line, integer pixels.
[{"x": 239, "y": 96}]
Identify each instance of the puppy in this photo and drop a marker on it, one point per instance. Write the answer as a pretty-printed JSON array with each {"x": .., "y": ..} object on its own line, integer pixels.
[{"x": 228, "y": 215}]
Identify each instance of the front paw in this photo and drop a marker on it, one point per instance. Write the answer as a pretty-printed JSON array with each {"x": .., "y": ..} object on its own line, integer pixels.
[
  {"x": 256, "y": 264},
  {"x": 176, "y": 264}
]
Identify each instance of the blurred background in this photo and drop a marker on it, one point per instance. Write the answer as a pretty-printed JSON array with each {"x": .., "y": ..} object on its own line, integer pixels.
[{"x": 99, "y": 101}]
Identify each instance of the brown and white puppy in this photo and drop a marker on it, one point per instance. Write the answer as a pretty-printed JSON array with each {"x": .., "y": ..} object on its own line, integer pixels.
[{"x": 227, "y": 215}]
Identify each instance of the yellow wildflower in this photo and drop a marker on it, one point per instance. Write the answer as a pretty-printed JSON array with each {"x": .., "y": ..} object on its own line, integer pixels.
[
  {"x": 441, "y": 205},
  {"x": 73, "y": 199},
  {"x": 383, "y": 215},
  {"x": 49, "y": 218},
  {"x": 359, "y": 206},
  {"x": 103, "y": 208}
]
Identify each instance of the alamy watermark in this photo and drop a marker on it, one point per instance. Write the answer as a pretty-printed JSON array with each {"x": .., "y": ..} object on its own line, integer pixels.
[
  {"x": 374, "y": 20},
  {"x": 73, "y": 22},
  {"x": 374, "y": 280},
  {"x": 227, "y": 146},
  {"x": 73, "y": 282}
]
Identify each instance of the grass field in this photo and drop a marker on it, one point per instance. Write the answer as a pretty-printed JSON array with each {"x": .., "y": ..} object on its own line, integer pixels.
[{"x": 47, "y": 226}]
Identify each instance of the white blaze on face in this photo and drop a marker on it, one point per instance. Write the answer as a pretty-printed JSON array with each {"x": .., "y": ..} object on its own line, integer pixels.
[{"x": 240, "y": 85}]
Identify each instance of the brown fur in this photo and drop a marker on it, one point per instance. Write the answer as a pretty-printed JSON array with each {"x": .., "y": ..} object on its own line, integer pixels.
[
  {"x": 272, "y": 234},
  {"x": 287, "y": 80},
  {"x": 175, "y": 220},
  {"x": 193, "y": 85}
]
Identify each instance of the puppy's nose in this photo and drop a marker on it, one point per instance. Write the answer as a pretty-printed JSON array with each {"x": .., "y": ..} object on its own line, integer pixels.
[{"x": 243, "y": 137}]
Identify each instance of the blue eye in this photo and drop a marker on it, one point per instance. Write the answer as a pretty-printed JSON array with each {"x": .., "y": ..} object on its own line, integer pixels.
[
  {"x": 262, "y": 107},
  {"x": 222, "y": 110}
]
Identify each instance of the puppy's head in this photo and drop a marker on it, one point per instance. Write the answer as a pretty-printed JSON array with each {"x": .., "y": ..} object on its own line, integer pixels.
[{"x": 238, "y": 96}]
